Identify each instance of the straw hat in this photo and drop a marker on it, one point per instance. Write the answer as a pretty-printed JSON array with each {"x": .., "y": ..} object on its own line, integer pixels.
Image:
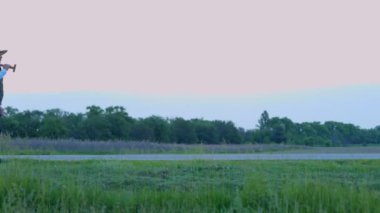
[{"x": 2, "y": 52}]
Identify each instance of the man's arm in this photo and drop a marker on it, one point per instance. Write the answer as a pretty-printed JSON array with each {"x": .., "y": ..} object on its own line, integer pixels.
[{"x": 7, "y": 67}]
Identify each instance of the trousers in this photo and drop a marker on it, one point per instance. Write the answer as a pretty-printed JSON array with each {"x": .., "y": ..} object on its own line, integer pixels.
[{"x": 1, "y": 91}]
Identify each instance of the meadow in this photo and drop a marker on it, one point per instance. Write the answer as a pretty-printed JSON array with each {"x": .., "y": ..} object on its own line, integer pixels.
[
  {"x": 25, "y": 146},
  {"x": 190, "y": 186}
]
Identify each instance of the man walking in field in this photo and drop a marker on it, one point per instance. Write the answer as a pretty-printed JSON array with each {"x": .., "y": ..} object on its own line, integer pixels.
[{"x": 3, "y": 71}]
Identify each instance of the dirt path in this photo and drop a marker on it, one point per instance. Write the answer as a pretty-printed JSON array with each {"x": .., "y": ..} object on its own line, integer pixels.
[{"x": 171, "y": 157}]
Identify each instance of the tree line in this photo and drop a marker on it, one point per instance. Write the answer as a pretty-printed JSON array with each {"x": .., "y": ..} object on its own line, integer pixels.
[{"x": 114, "y": 123}]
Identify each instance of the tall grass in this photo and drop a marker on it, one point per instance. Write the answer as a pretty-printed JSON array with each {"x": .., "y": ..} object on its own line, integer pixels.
[
  {"x": 88, "y": 187},
  {"x": 65, "y": 146},
  {"x": 25, "y": 194}
]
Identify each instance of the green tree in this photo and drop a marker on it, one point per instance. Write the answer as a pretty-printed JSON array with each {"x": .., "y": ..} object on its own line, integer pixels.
[
  {"x": 278, "y": 130},
  {"x": 264, "y": 120},
  {"x": 227, "y": 132},
  {"x": 29, "y": 123},
  {"x": 206, "y": 131},
  {"x": 141, "y": 131},
  {"x": 75, "y": 125},
  {"x": 119, "y": 122},
  {"x": 95, "y": 125},
  {"x": 182, "y": 131},
  {"x": 10, "y": 124},
  {"x": 53, "y": 125},
  {"x": 160, "y": 128}
]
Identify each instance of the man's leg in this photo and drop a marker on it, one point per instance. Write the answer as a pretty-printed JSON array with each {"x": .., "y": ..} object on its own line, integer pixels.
[
  {"x": 1, "y": 91},
  {"x": 1, "y": 97}
]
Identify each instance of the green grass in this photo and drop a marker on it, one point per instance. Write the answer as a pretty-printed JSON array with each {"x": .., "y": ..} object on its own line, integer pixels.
[{"x": 190, "y": 186}]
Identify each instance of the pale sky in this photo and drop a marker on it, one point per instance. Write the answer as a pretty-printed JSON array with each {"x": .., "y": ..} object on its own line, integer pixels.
[{"x": 197, "y": 48}]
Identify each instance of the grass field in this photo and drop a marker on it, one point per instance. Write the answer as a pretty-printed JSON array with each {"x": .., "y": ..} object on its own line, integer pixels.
[
  {"x": 48, "y": 147},
  {"x": 51, "y": 147},
  {"x": 191, "y": 186}
]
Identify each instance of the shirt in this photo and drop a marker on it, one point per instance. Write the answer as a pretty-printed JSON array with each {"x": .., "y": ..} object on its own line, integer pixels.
[{"x": 3, "y": 72}]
